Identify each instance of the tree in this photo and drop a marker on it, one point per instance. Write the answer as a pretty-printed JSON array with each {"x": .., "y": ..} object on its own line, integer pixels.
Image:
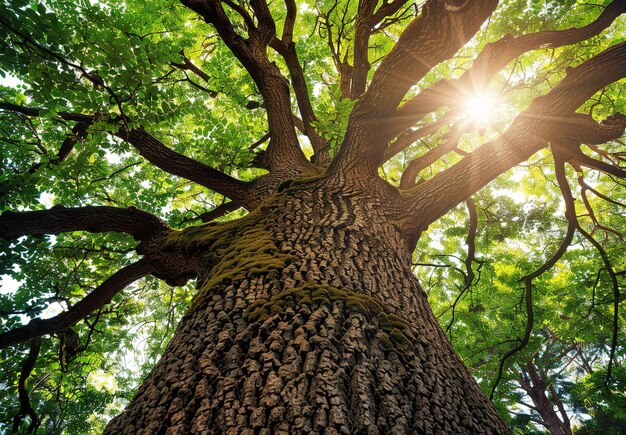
[{"x": 342, "y": 129}]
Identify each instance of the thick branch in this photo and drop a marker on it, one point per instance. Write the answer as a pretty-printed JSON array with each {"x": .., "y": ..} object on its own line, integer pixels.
[
  {"x": 493, "y": 58},
  {"x": 158, "y": 154},
  {"x": 320, "y": 145},
  {"x": 177, "y": 164},
  {"x": 99, "y": 297},
  {"x": 564, "y": 417},
  {"x": 290, "y": 20},
  {"x": 428, "y": 40},
  {"x": 78, "y": 134},
  {"x": 266, "y": 28},
  {"x": 367, "y": 22},
  {"x": 580, "y": 128},
  {"x": 95, "y": 219},
  {"x": 283, "y": 150},
  {"x": 362, "y": 33},
  {"x": 431, "y": 38},
  {"x": 530, "y": 132},
  {"x": 450, "y": 142},
  {"x": 25, "y": 407},
  {"x": 536, "y": 387}
]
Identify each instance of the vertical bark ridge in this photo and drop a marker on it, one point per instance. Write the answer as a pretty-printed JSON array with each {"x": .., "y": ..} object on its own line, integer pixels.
[{"x": 339, "y": 339}]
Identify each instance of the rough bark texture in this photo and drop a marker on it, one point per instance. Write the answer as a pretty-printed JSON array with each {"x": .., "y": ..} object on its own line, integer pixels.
[
  {"x": 308, "y": 317},
  {"x": 308, "y": 320}
]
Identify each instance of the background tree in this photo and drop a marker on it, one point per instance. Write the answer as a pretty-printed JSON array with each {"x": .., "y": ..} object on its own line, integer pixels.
[{"x": 348, "y": 146}]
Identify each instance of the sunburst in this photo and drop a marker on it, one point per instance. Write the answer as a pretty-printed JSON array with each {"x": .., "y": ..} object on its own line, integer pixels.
[{"x": 482, "y": 108}]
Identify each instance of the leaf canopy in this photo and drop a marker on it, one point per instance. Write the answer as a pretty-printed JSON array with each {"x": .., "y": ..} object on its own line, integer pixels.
[{"x": 157, "y": 67}]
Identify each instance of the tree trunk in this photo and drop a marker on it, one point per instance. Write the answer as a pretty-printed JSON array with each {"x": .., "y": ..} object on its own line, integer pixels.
[
  {"x": 536, "y": 387},
  {"x": 308, "y": 319}
]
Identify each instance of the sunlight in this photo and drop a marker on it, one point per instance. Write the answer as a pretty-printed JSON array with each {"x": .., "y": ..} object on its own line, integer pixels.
[
  {"x": 102, "y": 381},
  {"x": 481, "y": 108},
  {"x": 54, "y": 309}
]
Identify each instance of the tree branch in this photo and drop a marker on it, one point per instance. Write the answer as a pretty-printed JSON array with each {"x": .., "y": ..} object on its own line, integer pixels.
[
  {"x": 99, "y": 297},
  {"x": 188, "y": 65},
  {"x": 177, "y": 164},
  {"x": 22, "y": 389},
  {"x": 616, "y": 299},
  {"x": 592, "y": 163},
  {"x": 450, "y": 142},
  {"x": 31, "y": 111},
  {"x": 556, "y": 399},
  {"x": 259, "y": 142},
  {"x": 219, "y": 211},
  {"x": 570, "y": 213},
  {"x": 79, "y": 131},
  {"x": 428, "y": 40},
  {"x": 95, "y": 219},
  {"x": 493, "y": 58},
  {"x": 247, "y": 19},
  {"x": 158, "y": 154},
  {"x": 434, "y": 36},
  {"x": 580, "y": 128},
  {"x": 362, "y": 32},
  {"x": 470, "y": 240},
  {"x": 283, "y": 150},
  {"x": 290, "y": 20},
  {"x": 78, "y": 134},
  {"x": 92, "y": 76},
  {"x": 469, "y": 274},
  {"x": 408, "y": 137},
  {"x": 367, "y": 20},
  {"x": 530, "y": 131},
  {"x": 320, "y": 146},
  {"x": 344, "y": 69}
]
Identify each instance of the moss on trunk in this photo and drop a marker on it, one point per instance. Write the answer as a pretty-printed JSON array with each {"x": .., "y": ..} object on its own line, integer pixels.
[{"x": 308, "y": 320}]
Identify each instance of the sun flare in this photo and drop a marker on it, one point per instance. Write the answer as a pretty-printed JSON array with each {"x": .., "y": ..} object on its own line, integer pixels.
[{"x": 481, "y": 108}]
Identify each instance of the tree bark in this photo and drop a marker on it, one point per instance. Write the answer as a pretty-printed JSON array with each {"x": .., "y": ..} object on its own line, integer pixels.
[
  {"x": 536, "y": 388},
  {"x": 308, "y": 319}
]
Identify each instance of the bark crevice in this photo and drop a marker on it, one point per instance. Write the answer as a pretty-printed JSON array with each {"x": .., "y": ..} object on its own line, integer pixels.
[{"x": 331, "y": 335}]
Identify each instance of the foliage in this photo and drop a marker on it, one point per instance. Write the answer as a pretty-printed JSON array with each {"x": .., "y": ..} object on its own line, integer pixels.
[{"x": 122, "y": 60}]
